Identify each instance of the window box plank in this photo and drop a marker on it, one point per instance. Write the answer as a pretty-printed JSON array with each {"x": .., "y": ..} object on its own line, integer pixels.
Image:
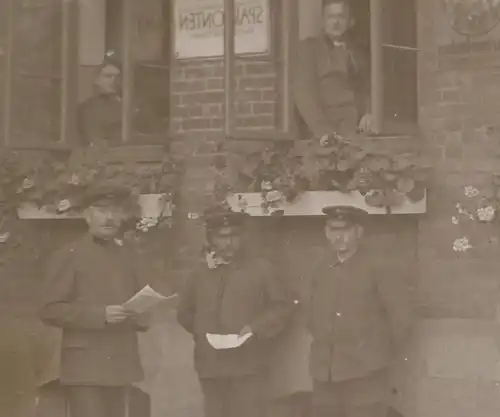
[
  {"x": 311, "y": 203},
  {"x": 152, "y": 205}
]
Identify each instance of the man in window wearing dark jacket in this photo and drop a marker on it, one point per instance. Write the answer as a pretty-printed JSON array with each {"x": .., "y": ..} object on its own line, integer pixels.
[
  {"x": 235, "y": 293},
  {"x": 332, "y": 76},
  {"x": 88, "y": 281},
  {"x": 360, "y": 315}
]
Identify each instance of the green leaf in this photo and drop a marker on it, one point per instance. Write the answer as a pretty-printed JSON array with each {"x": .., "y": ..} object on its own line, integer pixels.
[{"x": 405, "y": 185}]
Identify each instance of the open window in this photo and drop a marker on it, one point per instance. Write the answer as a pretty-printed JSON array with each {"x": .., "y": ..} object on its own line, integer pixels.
[
  {"x": 38, "y": 66},
  {"x": 388, "y": 29},
  {"x": 139, "y": 32},
  {"x": 49, "y": 52}
]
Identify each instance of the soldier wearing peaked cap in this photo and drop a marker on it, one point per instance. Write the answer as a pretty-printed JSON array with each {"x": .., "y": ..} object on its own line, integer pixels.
[
  {"x": 360, "y": 315},
  {"x": 332, "y": 76},
  {"x": 87, "y": 283},
  {"x": 232, "y": 293}
]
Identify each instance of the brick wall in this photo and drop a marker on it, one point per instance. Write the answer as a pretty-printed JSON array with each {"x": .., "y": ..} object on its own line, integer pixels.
[
  {"x": 198, "y": 96},
  {"x": 455, "y": 353}
]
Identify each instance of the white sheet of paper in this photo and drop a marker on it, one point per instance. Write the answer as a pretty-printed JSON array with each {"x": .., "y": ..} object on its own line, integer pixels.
[
  {"x": 227, "y": 341},
  {"x": 145, "y": 300}
]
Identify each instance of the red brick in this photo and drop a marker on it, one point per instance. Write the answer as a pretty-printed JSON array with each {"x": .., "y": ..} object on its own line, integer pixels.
[
  {"x": 196, "y": 123},
  {"x": 198, "y": 72},
  {"x": 269, "y": 95},
  {"x": 451, "y": 95},
  {"x": 215, "y": 83},
  {"x": 203, "y": 97},
  {"x": 217, "y": 123},
  {"x": 212, "y": 109},
  {"x": 263, "y": 108},
  {"x": 188, "y": 86},
  {"x": 256, "y": 82},
  {"x": 259, "y": 68},
  {"x": 219, "y": 71},
  {"x": 248, "y": 95},
  {"x": 195, "y": 111}
]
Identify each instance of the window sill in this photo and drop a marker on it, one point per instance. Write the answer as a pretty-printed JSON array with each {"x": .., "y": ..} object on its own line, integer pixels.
[
  {"x": 151, "y": 207},
  {"x": 311, "y": 203}
]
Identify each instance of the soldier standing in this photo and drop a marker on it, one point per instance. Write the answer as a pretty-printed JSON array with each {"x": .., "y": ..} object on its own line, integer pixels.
[
  {"x": 359, "y": 317},
  {"x": 88, "y": 281},
  {"x": 235, "y": 293},
  {"x": 332, "y": 77}
]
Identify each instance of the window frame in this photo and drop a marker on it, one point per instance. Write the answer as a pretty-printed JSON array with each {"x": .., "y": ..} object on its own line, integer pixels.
[
  {"x": 70, "y": 69},
  {"x": 377, "y": 87},
  {"x": 68, "y": 78},
  {"x": 288, "y": 38}
]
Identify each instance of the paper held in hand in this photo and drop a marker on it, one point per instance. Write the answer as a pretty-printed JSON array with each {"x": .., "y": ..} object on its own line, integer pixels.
[{"x": 145, "y": 300}]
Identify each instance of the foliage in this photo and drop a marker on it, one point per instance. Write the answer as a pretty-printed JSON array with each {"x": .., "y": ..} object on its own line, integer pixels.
[
  {"x": 480, "y": 206},
  {"x": 281, "y": 173},
  {"x": 58, "y": 183}
]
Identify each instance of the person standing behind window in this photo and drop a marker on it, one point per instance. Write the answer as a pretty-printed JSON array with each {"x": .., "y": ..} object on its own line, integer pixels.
[{"x": 332, "y": 76}]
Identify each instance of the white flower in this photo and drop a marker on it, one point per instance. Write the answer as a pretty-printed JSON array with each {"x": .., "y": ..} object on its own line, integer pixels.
[
  {"x": 486, "y": 214},
  {"x": 63, "y": 206},
  {"x": 471, "y": 191},
  {"x": 266, "y": 185},
  {"x": 274, "y": 196},
  {"x": 4, "y": 237},
  {"x": 242, "y": 203},
  {"x": 74, "y": 180},
  {"x": 28, "y": 183},
  {"x": 454, "y": 220},
  {"x": 461, "y": 245}
]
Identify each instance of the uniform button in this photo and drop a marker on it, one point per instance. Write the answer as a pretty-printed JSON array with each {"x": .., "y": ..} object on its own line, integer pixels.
[
  {"x": 339, "y": 314},
  {"x": 109, "y": 357}
]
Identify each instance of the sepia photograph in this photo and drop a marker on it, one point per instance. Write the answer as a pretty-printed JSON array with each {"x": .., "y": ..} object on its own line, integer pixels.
[{"x": 249, "y": 208}]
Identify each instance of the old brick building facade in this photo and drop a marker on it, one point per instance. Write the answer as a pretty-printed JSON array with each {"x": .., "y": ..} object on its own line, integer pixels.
[{"x": 452, "y": 368}]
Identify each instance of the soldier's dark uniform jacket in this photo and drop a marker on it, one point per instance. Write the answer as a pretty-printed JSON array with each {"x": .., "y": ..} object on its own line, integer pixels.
[
  {"x": 100, "y": 120},
  {"x": 83, "y": 278},
  {"x": 223, "y": 301},
  {"x": 331, "y": 85},
  {"x": 360, "y": 315}
]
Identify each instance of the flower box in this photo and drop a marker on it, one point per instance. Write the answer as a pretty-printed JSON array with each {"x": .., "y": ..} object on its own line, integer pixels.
[
  {"x": 152, "y": 206},
  {"x": 311, "y": 203}
]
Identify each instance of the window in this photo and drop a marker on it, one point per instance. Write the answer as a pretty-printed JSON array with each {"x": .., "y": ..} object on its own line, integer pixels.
[
  {"x": 38, "y": 81},
  {"x": 43, "y": 79},
  {"x": 143, "y": 42},
  {"x": 388, "y": 29},
  {"x": 243, "y": 91}
]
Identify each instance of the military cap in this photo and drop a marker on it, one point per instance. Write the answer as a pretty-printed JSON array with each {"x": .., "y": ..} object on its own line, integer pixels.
[
  {"x": 328, "y": 2},
  {"x": 105, "y": 194},
  {"x": 340, "y": 217},
  {"x": 218, "y": 217},
  {"x": 111, "y": 58}
]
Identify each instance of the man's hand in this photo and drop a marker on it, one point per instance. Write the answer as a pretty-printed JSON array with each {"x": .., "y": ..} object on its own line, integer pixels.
[
  {"x": 246, "y": 330},
  {"x": 365, "y": 125},
  {"x": 116, "y": 314},
  {"x": 323, "y": 141}
]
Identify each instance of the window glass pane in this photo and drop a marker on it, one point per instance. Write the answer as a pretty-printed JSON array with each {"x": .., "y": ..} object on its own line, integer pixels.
[
  {"x": 3, "y": 52},
  {"x": 150, "y": 55},
  {"x": 400, "y": 66},
  {"x": 259, "y": 81},
  {"x": 36, "y": 75}
]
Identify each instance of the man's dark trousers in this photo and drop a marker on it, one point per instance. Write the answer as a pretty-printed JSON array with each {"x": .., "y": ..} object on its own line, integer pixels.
[
  {"x": 92, "y": 401},
  {"x": 240, "y": 396},
  {"x": 360, "y": 397}
]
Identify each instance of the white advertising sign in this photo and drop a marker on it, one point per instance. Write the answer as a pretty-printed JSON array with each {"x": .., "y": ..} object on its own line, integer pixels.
[{"x": 199, "y": 27}]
